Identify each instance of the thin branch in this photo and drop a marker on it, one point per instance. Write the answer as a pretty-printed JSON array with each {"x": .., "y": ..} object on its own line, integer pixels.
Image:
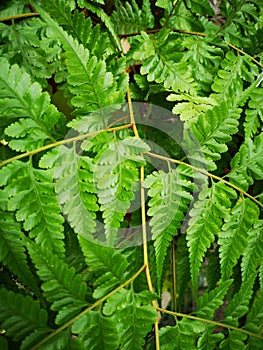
[
  {"x": 22, "y": 15},
  {"x": 97, "y": 303},
  {"x": 63, "y": 142},
  {"x": 144, "y": 231},
  {"x": 219, "y": 324},
  {"x": 218, "y": 178}
]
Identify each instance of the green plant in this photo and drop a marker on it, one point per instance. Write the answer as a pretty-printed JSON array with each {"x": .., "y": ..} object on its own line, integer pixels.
[{"x": 107, "y": 204}]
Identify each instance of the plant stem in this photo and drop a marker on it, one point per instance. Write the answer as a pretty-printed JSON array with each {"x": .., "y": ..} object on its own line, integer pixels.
[
  {"x": 97, "y": 303},
  {"x": 219, "y": 324},
  {"x": 218, "y": 178},
  {"x": 22, "y": 15},
  {"x": 64, "y": 142}
]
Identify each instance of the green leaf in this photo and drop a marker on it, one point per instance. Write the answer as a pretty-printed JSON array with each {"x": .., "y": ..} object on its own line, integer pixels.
[
  {"x": 170, "y": 195},
  {"x": 32, "y": 197},
  {"x": 62, "y": 287},
  {"x": 109, "y": 266},
  {"x": 20, "y": 315},
  {"x": 97, "y": 331},
  {"x": 178, "y": 337},
  {"x": 233, "y": 237},
  {"x": 206, "y": 220}
]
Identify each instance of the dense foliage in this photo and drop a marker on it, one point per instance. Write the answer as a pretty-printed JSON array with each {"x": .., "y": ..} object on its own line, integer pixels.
[{"x": 131, "y": 172}]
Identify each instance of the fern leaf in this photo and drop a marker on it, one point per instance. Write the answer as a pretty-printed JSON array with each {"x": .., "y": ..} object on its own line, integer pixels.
[
  {"x": 132, "y": 330},
  {"x": 233, "y": 237},
  {"x": 23, "y": 99},
  {"x": 229, "y": 81},
  {"x": 254, "y": 114},
  {"x": 92, "y": 86},
  {"x": 209, "y": 339},
  {"x": 239, "y": 304},
  {"x": 116, "y": 173},
  {"x": 62, "y": 287},
  {"x": 97, "y": 331},
  {"x": 192, "y": 107},
  {"x": 179, "y": 337},
  {"x": 12, "y": 250},
  {"x": 213, "y": 131},
  {"x": 206, "y": 220},
  {"x": 252, "y": 257},
  {"x": 255, "y": 319},
  {"x": 129, "y": 18},
  {"x": 209, "y": 302},
  {"x": 247, "y": 164},
  {"x": 234, "y": 341},
  {"x": 21, "y": 315},
  {"x": 107, "y": 263},
  {"x": 161, "y": 61},
  {"x": 31, "y": 195},
  {"x": 169, "y": 198},
  {"x": 75, "y": 190}
]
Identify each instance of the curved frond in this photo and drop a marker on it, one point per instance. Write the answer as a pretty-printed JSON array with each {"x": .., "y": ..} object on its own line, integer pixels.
[
  {"x": 252, "y": 257},
  {"x": 97, "y": 331},
  {"x": 233, "y": 238},
  {"x": 206, "y": 220},
  {"x": 169, "y": 201},
  {"x": 62, "y": 287},
  {"x": 109, "y": 266},
  {"x": 162, "y": 63},
  {"x": 133, "y": 329},
  {"x": 75, "y": 189},
  {"x": 21, "y": 315},
  {"x": 254, "y": 114},
  {"x": 32, "y": 197},
  {"x": 24, "y": 99}
]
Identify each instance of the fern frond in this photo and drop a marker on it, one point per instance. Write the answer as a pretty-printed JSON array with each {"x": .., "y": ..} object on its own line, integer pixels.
[
  {"x": 252, "y": 257},
  {"x": 75, "y": 189},
  {"x": 132, "y": 330},
  {"x": 206, "y": 220},
  {"x": 233, "y": 238},
  {"x": 181, "y": 336},
  {"x": 32, "y": 197},
  {"x": 97, "y": 331},
  {"x": 234, "y": 341},
  {"x": 239, "y": 304},
  {"x": 254, "y": 320},
  {"x": 254, "y": 114},
  {"x": 21, "y": 315},
  {"x": 162, "y": 63},
  {"x": 229, "y": 81},
  {"x": 213, "y": 131},
  {"x": 116, "y": 173},
  {"x": 209, "y": 302},
  {"x": 169, "y": 201},
  {"x": 129, "y": 18},
  {"x": 91, "y": 84},
  {"x": 105, "y": 262},
  {"x": 247, "y": 164},
  {"x": 22, "y": 98},
  {"x": 192, "y": 107},
  {"x": 62, "y": 287},
  {"x": 204, "y": 59},
  {"x": 12, "y": 250},
  {"x": 209, "y": 339}
]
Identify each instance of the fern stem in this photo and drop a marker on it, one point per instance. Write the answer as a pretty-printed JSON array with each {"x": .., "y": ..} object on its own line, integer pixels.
[
  {"x": 144, "y": 231},
  {"x": 22, "y": 15},
  {"x": 64, "y": 142},
  {"x": 218, "y": 178},
  {"x": 219, "y": 324},
  {"x": 97, "y": 303},
  {"x": 170, "y": 14},
  {"x": 174, "y": 274}
]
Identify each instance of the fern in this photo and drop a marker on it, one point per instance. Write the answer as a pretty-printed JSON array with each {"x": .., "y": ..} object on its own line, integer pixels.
[
  {"x": 169, "y": 198},
  {"x": 206, "y": 220},
  {"x": 233, "y": 237},
  {"x": 31, "y": 189},
  {"x": 62, "y": 287},
  {"x": 104, "y": 202}
]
